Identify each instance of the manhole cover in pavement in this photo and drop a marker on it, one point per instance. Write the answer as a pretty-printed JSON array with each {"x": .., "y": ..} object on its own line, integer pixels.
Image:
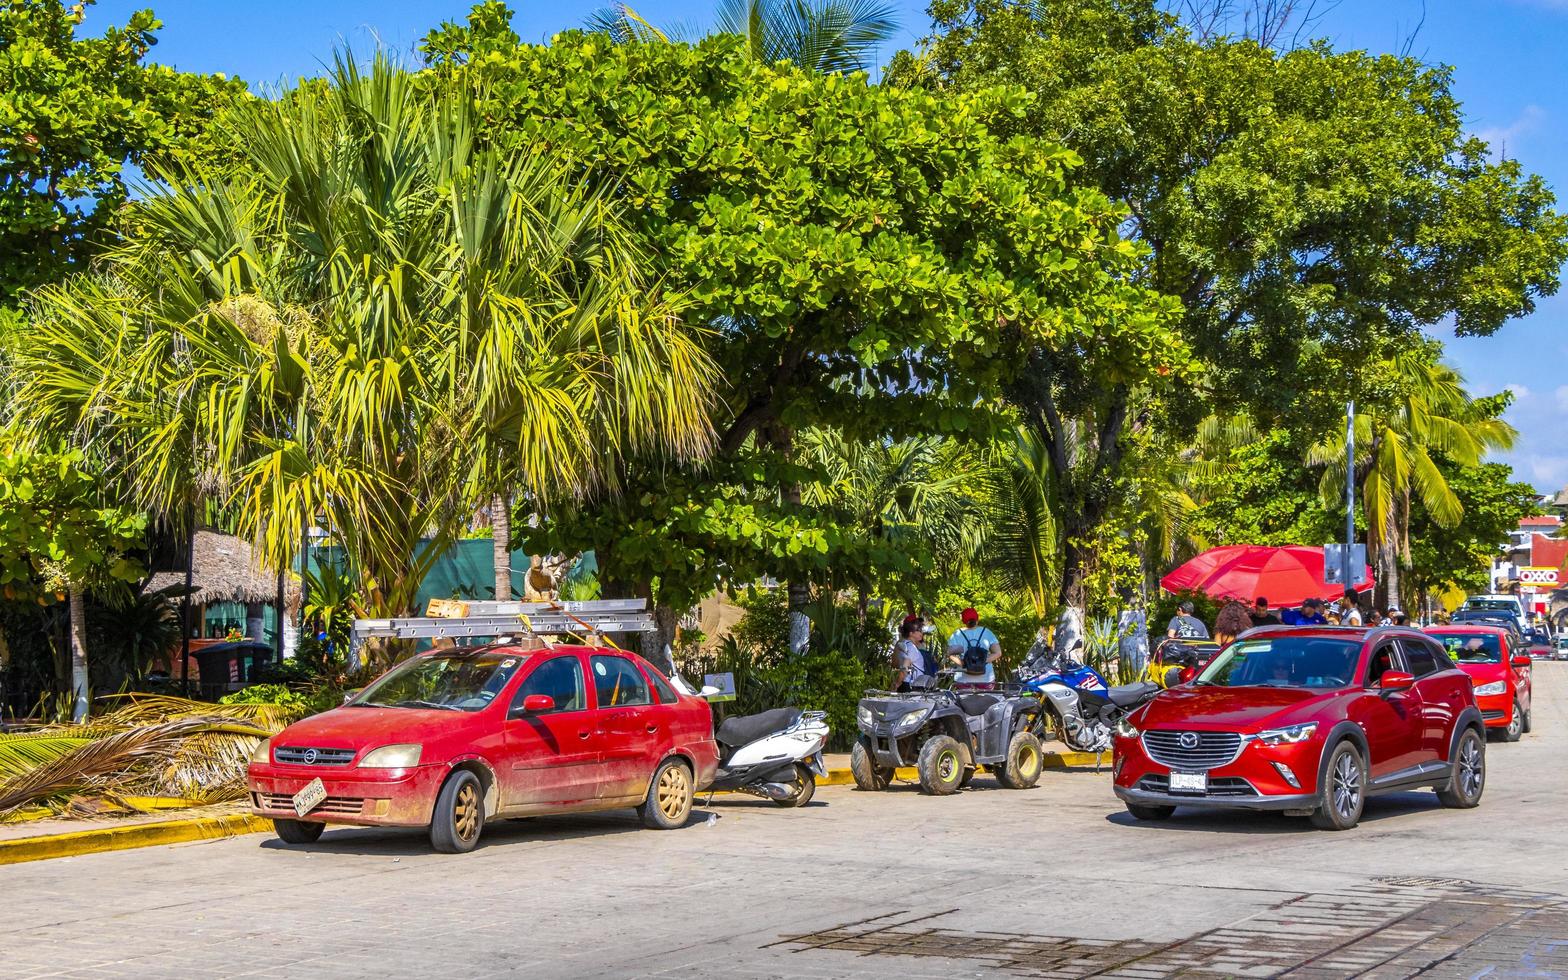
[{"x": 1418, "y": 881}]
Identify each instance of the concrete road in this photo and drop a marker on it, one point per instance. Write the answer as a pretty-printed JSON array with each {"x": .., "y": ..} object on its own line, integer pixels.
[{"x": 1052, "y": 882}]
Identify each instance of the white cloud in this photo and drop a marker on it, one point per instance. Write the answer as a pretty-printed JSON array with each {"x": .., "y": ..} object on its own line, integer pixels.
[
  {"x": 1520, "y": 392},
  {"x": 1562, "y": 398},
  {"x": 1502, "y": 139},
  {"x": 1547, "y": 472}
]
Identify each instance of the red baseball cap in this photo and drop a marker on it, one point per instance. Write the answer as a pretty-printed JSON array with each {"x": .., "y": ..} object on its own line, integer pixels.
[{"x": 969, "y": 615}]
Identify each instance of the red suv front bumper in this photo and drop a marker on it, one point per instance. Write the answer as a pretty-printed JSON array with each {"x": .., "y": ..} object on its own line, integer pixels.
[{"x": 1251, "y": 779}]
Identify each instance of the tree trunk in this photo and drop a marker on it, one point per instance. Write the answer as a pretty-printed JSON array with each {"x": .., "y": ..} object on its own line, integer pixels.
[
  {"x": 1387, "y": 591},
  {"x": 656, "y": 645},
  {"x": 1075, "y": 561},
  {"x": 79, "y": 681},
  {"x": 501, "y": 539}
]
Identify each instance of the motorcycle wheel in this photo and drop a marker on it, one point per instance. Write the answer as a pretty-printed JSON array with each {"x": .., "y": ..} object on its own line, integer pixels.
[
  {"x": 805, "y": 784},
  {"x": 862, "y": 765},
  {"x": 941, "y": 765}
]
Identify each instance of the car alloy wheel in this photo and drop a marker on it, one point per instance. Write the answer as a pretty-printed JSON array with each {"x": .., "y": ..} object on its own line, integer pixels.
[
  {"x": 1516, "y": 722},
  {"x": 1347, "y": 786},
  {"x": 674, "y": 789},
  {"x": 1342, "y": 793},
  {"x": 465, "y": 815},
  {"x": 1472, "y": 769}
]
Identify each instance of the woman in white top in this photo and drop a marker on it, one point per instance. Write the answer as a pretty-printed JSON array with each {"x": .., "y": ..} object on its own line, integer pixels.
[{"x": 909, "y": 660}]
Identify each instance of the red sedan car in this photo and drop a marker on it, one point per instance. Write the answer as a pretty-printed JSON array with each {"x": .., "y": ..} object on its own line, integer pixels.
[
  {"x": 1500, "y": 672},
  {"x": 1310, "y": 721},
  {"x": 454, "y": 737}
]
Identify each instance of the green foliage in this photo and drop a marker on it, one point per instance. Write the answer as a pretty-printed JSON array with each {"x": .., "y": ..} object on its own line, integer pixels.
[
  {"x": 1264, "y": 493},
  {"x": 73, "y": 112},
  {"x": 55, "y": 532},
  {"x": 1165, "y": 608},
  {"x": 1459, "y": 556},
  {"x": 266, "y": 694}
]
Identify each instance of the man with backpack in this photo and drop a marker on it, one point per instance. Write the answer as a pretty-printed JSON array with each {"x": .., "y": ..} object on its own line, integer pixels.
[{"x": 976, "y": 650}]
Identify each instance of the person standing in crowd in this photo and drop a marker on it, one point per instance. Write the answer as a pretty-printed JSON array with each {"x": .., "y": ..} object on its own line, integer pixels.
[
  {"x": 1397, "y": 617},
  {"x": 1184, "y": 625},
  {"x": 1310, "y": 614},
  {"x": 1261, "y": 616},
  {"x": 976, "y": 650},
  {"x": 1350, "y": 613},
  {"x": 1233, "y": 620}
]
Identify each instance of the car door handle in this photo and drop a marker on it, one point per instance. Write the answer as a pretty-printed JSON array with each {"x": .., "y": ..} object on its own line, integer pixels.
[
  {"x": 584, "y": 735},
  {"x": 652, "y": 729}
]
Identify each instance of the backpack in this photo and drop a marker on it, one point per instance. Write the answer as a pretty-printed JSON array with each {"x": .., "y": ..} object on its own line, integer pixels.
[
  {"x": 928, "y": 664},
  {"x": 974, "y": 654}
]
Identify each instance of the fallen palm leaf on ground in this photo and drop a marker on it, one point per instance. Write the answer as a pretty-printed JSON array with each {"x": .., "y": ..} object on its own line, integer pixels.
[{"x": 149, "y": 747}]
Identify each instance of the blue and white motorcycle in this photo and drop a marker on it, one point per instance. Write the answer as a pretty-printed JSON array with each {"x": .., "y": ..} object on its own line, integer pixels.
[{"x": 1076, "y": 704}]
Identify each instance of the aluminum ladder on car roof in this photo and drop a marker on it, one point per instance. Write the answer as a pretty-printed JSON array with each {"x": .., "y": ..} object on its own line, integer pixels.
[{"x": 593, "y": 617}]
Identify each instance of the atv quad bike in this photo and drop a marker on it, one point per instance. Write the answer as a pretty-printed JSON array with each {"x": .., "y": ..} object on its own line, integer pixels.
[{"x": 946, "y": 735}]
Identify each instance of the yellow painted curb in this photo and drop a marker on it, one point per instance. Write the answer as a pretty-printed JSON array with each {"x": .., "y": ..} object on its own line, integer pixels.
[{"x": 133, "y": 835}]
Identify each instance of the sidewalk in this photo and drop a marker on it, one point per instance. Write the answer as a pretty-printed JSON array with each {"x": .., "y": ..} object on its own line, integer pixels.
[{"x": 38, "y": 840}]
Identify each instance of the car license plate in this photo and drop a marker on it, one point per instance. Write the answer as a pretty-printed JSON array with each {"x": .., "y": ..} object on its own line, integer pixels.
[
  {"x": 312, "y": 796},
  {"x": 1189, "y": 782}
]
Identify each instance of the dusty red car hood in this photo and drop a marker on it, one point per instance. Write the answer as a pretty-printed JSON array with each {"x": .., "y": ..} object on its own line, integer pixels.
[
  {"x": 1238, "y": 709},
  {"x": 352, "y": 728}
]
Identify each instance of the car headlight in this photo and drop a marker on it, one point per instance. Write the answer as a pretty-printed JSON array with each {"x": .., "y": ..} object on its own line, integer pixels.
[
  {"x": 1496, "y": 687},
  {"x": 865, "y": 717},
  {"x": 1125, "y": 728},
  {"x": 262, "y": 753},
  {"x": 911, "y": 721},
  {"x": 1287, "y": 736},
  {"x": 392, "y": 757}
]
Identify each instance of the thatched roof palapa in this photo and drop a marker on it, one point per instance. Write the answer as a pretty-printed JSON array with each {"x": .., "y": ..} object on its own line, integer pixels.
[{"x": 226, "y": 570}]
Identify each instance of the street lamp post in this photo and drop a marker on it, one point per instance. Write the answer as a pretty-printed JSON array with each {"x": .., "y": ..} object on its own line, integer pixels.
[{"x": 1350, "y": 493}]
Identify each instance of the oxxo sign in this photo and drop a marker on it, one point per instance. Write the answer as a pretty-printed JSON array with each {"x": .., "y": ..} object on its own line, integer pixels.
[{"x": 1537, "y": 575}]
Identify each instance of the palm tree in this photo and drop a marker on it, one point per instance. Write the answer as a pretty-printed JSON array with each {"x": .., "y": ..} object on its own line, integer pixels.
[
  {"x": 1020, "y": 544},
  {"x": 1395, "y": 444},
  {"x": 831, "y": 36},
  {"x": 372, "y": 321}
]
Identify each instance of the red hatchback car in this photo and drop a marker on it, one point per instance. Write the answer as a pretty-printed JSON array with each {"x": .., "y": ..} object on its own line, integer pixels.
[
  {"x": 1310, "y": 721},
  {"x": 454, "y": 737},
  {"x": 1500, "y": 672}
]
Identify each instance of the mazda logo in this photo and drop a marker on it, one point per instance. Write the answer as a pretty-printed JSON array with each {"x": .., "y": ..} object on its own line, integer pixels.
[
  {"x": 310, "y": 754},
  {"x": 1189, "y": 740}
]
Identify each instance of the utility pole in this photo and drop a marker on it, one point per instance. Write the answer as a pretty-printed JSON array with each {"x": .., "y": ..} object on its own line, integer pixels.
[{"x": 1350, "y": 493}]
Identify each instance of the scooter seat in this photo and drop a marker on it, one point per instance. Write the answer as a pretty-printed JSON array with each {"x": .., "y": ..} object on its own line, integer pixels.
[
  {"x": 746, "y": 729},
  {"x": 975, "y": 704},
  {"x": 1128, "y": 695}
]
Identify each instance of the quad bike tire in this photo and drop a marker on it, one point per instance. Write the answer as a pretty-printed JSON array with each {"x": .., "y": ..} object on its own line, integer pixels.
[
  {"x": 941, "y": 765},
  {"x": 1025, "y": 760},
  {"x": 805, "y": 783},
  {"x": 863, "y": 766}
]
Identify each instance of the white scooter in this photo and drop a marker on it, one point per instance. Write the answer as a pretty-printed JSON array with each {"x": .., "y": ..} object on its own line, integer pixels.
[{"x": 775, "y": 754}]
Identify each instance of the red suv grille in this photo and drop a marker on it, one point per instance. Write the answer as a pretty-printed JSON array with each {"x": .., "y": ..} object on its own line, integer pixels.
[{"x": 1192, "y": 750}]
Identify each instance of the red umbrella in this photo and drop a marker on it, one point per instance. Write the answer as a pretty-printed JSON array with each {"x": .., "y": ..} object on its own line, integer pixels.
[{"x": 1286, "y": 576}]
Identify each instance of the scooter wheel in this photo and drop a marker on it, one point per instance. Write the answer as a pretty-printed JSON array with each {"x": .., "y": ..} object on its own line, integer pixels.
[
  {"x": 805, "y": 783},
  {"x": 862, "y": 764},
  {"x": 941, "y": 765}
]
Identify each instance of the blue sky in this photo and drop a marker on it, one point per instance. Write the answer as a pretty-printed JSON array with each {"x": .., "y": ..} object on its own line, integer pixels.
[{"x": 1511, "y": 73}]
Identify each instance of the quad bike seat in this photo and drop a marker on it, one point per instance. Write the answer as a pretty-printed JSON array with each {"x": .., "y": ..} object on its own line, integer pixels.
[
  {"x": 736, "y": 732},
  {"x": 975, "y": 704},
  {"x": 1128, "y": 695}
]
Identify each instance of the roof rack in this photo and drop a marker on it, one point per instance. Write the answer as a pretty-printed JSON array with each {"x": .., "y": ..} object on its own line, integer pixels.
[{"x": 593, "y": 617}]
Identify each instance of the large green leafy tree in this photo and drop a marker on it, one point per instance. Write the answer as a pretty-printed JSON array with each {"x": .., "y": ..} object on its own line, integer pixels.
[
  {"x": 74, "y": 111},
  {"x": 1313, "y": 211},
  {"x": 369, "y": 321},
  {"x": 1458, "y": 555},
  {"x": 59, "y": 538},
  {"x": 864, "y": 259}
]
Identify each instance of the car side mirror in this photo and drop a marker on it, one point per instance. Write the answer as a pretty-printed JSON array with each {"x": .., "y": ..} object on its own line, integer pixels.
[
  {"x": 1396, "y": 680},
  {"x": 1521, "y": 660},
  {"x": 534, "y": 704}
]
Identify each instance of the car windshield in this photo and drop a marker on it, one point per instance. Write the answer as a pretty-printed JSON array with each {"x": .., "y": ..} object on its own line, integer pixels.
[
  {"x": 454, "y": 680},
  {"x": 1470, "y": 648},
  {"x": 1284, "y": 661},
  {"x": 1492, "y": 604}
]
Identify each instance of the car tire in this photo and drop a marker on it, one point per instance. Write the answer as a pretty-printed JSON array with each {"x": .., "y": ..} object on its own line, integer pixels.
[
  {"x": 670, "y": 796},
  {"x": 863, "y": 766},
  {"x": 1467, "y": 781},
  {"x": 1527, "y": 721},
  {"x": 1141, "y": 812},
  {"x": 459, "y": 816},
  {"x": 941, "y": 765},
  {"x": 1025, "y": 760},
  {"x": 805, "y": 783},
  {"x": 1515, "y": 723},
  {"x": 298, "y": 831},
  {"x": 1343, "y": 793}
]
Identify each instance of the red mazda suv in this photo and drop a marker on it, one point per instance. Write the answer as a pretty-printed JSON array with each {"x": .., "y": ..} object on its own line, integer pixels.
[{"x": 1310, "y": 721}]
